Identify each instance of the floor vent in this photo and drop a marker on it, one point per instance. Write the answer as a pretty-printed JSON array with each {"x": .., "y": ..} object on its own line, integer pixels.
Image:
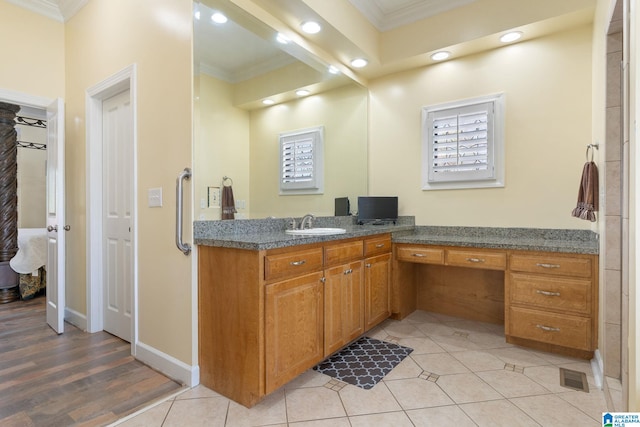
[{"x": 574, "y": 380}]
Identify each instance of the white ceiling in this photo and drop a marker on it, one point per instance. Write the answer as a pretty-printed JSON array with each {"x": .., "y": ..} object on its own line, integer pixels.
[
  {"x": 383, "y": 14},
  {"x": 242, "y": 55}
]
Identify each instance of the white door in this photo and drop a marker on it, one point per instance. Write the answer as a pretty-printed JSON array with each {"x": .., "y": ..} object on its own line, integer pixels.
[
  {"x": 55, "y": 216},
  {"x": 117, "y": 155}
]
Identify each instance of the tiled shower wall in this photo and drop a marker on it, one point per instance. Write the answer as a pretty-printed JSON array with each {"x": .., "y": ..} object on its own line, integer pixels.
[
  {"x": 613, "y": 210},
  {"x": 616, "y": 289}
]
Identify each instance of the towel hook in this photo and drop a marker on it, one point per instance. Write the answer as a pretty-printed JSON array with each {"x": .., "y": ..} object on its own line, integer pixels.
[
  {"x": 590, "y": 147},
  {"x": 224, "y": 181}
]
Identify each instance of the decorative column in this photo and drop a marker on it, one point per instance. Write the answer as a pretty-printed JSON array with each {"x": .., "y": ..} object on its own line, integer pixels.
[{"x": 8, "y": 201}]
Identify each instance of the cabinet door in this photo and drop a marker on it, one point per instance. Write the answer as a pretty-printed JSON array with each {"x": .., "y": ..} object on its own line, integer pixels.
[
  {"x": 343, "y": 298},
  {"x": 377, "y": 279},
  {"x": 293, "y": 328}
]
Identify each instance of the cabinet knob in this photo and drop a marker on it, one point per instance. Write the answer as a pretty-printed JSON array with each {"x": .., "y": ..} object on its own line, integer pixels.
[
  {"x": 349, "y": 271},
  {"x": 368, "y": 265}
]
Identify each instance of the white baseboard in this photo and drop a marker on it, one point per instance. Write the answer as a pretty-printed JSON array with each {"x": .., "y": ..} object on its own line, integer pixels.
[
  {"x": 597, "y": 367},
  {"x": 78, "y": 320},
  {"x": 168, "y": 365}
]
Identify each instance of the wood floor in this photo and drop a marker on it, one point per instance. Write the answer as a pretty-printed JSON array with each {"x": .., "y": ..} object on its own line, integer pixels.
[{"x": 73, "y": 379}]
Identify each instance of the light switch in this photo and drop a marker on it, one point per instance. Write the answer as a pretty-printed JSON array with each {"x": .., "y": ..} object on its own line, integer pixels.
[{"x": 155, "y": 197}]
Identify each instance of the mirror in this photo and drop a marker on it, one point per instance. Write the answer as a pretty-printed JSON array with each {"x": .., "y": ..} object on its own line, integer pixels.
[{"x": 238, "y": 64}]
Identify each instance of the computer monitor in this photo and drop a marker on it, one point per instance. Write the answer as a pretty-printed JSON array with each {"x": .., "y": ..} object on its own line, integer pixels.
[{"x": 377, "y": 209}]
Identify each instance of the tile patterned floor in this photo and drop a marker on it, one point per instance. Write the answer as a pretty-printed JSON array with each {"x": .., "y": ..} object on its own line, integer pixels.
[{"x": 460, "y": 373}]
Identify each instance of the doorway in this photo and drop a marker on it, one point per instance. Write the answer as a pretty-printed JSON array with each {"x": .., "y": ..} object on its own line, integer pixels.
[{"x": 111, "y": 208}]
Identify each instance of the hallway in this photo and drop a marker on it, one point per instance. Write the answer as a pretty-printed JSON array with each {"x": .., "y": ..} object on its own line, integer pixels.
[{"x": 70, "y": 379}]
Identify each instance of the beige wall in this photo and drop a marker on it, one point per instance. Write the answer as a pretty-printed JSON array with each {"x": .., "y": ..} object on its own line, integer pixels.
[
  {"x": 103, "y": 38},
  {"x": 343, "y": 113},
  {"x": 32, "y": 49},
  {"x": 547, "y": 83},
  {"x": 222, "y": 145}
]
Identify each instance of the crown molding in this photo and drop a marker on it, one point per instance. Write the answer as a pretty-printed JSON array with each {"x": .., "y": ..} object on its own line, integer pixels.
[
  {"x": 58, "y": 10},
  {"x": 386, "y": 15}
]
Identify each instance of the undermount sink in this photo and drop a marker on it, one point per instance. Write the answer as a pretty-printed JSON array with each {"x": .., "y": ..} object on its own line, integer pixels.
[{"x": 316, "y": 231}]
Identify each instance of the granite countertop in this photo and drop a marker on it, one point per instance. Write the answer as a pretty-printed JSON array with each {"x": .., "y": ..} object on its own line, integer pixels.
[
  {"x": 280, "y": 239},
  {"x": 270, "y": 234},
  {"x": 531, "y": 239}
]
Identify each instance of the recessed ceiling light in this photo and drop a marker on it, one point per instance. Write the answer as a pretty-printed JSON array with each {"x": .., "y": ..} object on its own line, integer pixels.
[
  {"x": 333, "y": 69},
  {"x": 511, "y": 37},
  {"x": 440, "y": 56},
  {"x": 268, "y": 101},
  {"x": 359, "y": 63},
  {"x": 302, "y": 92},
  {"x": 310, "y": 27},
  {"x": 280, "y": 38},
  {"x": 219, "y": 18}
]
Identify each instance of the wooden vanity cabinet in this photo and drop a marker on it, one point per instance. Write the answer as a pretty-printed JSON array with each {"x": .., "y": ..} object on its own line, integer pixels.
[
  {"x": 294, "y": 321},
  {"x": 267, "y": 316},
  {"x": 552, "y": 302},
  {"x": 377, "y": 284},
  {"x": 344, "y": 304}
]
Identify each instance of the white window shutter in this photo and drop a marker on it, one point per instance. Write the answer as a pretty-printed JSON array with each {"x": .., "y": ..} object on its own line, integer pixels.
[
  {"x": 461, "y": 147},
  {"x": 301, "y": 161}
]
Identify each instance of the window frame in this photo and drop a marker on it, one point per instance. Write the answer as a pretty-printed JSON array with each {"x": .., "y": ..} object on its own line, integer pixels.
[
  {"x": 493, "y": 176},
  {"x": 315, "y": 185}
]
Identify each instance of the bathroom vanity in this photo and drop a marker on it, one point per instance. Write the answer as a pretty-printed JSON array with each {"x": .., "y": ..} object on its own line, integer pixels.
[
  {"x": 270, "y": 310},
  {"x": 272, "y": 306}
]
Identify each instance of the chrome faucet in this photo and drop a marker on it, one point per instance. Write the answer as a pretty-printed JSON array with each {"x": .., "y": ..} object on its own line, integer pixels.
[{"x": 306, "y": 219}]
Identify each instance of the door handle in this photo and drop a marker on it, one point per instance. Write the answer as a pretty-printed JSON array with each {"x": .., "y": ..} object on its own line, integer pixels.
[
  {"x": 184, "y": 175},
  {"x": 67, "y": 227},
  {"x": 54, "y": 228}
]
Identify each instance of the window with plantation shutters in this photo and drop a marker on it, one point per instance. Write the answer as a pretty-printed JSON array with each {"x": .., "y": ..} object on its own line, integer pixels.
[
  {"x": 463, "y": 144},
  {"x": 301, "y": 161}
]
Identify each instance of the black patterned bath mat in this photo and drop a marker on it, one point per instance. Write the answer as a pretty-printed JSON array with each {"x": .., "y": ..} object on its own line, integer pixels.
[{"x": 364, "y": 362}]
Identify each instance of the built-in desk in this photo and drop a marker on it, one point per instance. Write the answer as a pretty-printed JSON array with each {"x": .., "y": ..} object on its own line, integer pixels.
[{"x": 541, "y": 284}]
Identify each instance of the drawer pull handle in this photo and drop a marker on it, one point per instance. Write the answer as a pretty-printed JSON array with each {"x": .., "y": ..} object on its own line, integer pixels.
[
  {"x": 475, "y": 259},
  {"x": 548, "y": 328},
  {"x": 349, "y": 271},
  {"x": 548, "y": 293},
  {"x": 380, "y": 245},
  {"x": 545, "y": 265},
  {"x": 419, "y": 255},
  {"x": 296, "y": 263}
]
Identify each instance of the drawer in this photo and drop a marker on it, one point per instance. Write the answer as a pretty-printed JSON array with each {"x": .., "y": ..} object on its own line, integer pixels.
[
  {"x": 563, "y": 294},
  {"x": 343, "y": 252},
  {"x": 420, "y": 254},
  {"x": 561, "y": 266},
  {"x": 558, "y": 329},
  {"x": 290, "y": 264},
  {"x": 377, "y": 245},
  {"x": 477, "y": 259}
]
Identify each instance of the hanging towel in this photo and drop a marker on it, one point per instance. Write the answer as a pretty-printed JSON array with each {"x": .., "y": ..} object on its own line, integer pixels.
[
  {"x": 588, "y": 194},
  {"x": 228, "y": 204}
]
